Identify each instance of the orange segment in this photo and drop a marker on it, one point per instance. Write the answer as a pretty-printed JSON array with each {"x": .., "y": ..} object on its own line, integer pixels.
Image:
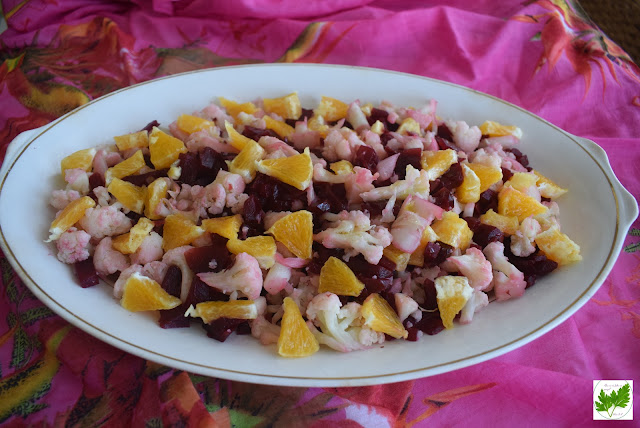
[
  {"x": 508, "y": 225},
  {"x": 164, "y": 149},
  {"x": 235, "y": 309},
  {"x": 125, "y": 168},
  {"x": 287, "y": 107},
  {"x": 244, "y": 164},
  {"x": 547, "y": 188},
  {"x": 295, "y": 170},
  {"x": 295, "y": 231},
  {"x": 437, "y": 162},
  {"x": 495, "y": 129},
  {"x": 190, "y": 124},
  {"x": 178, "y": 231},
  {"x": 138, "y": 140},
  {"x": 129, "y": 242},
  {"x": 236, "y": 139},
  {"x": 511, "y": 202},
  {"x": 452, "y": 230},
  {"x": 234, "y": 108},
  {"x": 341, "y": 167},
  {"x": 155, "y": 193},
  {"x": 469, "y": 190},
  {"x": 488, "y": 175},
  {"x": 331, "y": 109},
  {"x": 282, "y": 129},
  {"x": 337, "y": 278},
  {"x": 409, "y": 126},
  {"x": 82, "y": 159},
  {"x": 417, "y": 257},
  {"x": 295, "y": 340},
  {"x": 400, "y": 258},
  {"x": 227, "y": 227},
  {"x": 263, "y": 248},
  {"x": 558, "y": 247},
  {"x": 452, "y": 293},
  {"x": 379, "y": 316},
  {"x": 318, "y": 124},
  {"x": 128, "y": 194},
  {"x": 142, "y": 293},
  {"x": 69, "y": 216},
  {"x": 522, "y": 181}
]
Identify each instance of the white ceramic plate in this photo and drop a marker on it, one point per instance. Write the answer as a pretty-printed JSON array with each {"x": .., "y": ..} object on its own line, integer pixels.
[{"x": 596, "y": 213}]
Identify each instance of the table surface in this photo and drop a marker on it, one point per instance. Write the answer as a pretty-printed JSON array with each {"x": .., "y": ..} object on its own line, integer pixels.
[{"x": 543, "y": 55}]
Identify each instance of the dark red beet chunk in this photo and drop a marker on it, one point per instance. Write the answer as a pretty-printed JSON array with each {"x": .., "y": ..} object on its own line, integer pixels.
[
  {"x": 320, "y": 255},
  {"x": 306, "y": 114},
  {"x": 172, "y": 281},
  {"x": 520, "y": 157},
  {"x": 199, "y": 258},
  {"x": 96, "y": 180},
  {"x": 174, "y": 318},
  {"x": 534, "y": 266},
  {"x": 430, "y": 324},
  {"x": 430, "y": 300},
  {"x": 147, "y": 178},
  {"x": 376, "y": 278},
  {"x": 444, "y": 132},
  {"x": 436, "y": 253},
  {"x": 443, "y": 197},
  {"x": 407, "y": 157},
  {"x": 484, "y": 234},
  {"x": 506, "y": 174},
  {"x": 86, "y": 273},
  {"x": 252, "y": 212},
  {"x": 201, "y": 292},
  {"x": 275, "y": 195},
  {"x": 453, "y": 177},
  {"x": 377, "y": 114},
  {"x": 330, "y": 198},
  {"x": 222, "y": 328},
  {"x": 201, "y": 168},
  {"x": 488, "y": 201},
  {"x": 257, "y": 133},
  {"x": 149, "y": 126},
  {"x": 366, "y": 157},
  {"x": 384, "y": 139}
]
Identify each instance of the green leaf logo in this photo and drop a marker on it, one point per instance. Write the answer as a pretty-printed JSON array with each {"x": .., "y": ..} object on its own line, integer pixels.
[{"x": 616, "y": 399}]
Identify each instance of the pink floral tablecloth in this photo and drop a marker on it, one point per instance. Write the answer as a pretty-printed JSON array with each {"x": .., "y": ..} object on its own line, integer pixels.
[{"x": 543, "y": 55}]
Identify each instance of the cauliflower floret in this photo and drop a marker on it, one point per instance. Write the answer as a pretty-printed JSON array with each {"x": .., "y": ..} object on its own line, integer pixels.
[
  {"x": 522, "y": 242},
  {"x": 176, "y": 257},
  {"x": 360, "y": 181},
  {"x": 277, "y": 278},
  {"x": 73, "y": 246},
  {"x": 244, "y": 276},
  {"x": 105, "y": 221},
  {"x": 77, "y": 179},
  {"x": 416, "y": 182},
  {"x": 150, "y": 250},
  {"x": 353, "y": 230},
  {"x": 341, "y": 327},
  {"x": 474, "y": 266},
  {"x": 465, "y": 137},
  {"x": 61, "y": 198},
  {"x": 267, "y": 333},
  {"x": 414, "y": 216},
  {"x": 508, "y": 281},
  {"x": 341, "y": 144},
  {"x": 476, "y": 302},
  {"x": 106, "y": 260},
  {"x": 405, "y": 305}
]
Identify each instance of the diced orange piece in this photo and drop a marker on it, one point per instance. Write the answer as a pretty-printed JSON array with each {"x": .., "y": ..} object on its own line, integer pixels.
[
  {"x": 377, "y": 127},
  {"x": 341, "y": 167},
  {"x": 417, "y": 257},
  {"x": 156, "y": 191},
  {"x": 287, "y": 107},
  {"x": 494, "y": 129},
  {"x": 128, "y": 194},
  {"x": 522, "y": 181},
  {"x": 437, "y": 162},
  {"x": 263, "y": 248},
  {"x": 138, "y": 140},
  {"x": 296, "y": 339},
  {"x": 227, "y": 227},
  {"x": 558, "y": 247},
  {"x": 452, "y": 293},
  {"x": 142, "y": 293},
  {"x": 282, "y": 129},
  {"x": 331, "y": 109},
  {"x": 178, "y": 231},
  {"x": 318, "y": 124},
  {"x": 69, "y": 216},
  {"x": 295, "y": 231},
  {"x": 547, "y": 188},
  {"x": 245, "y": 162},
  {"x": 452, "y": 230},
  {"x": 131, "y": 241},
  {"x": 164, "y": 149},
  {"x": 190, "y": 124},
  {"x": 82, "y": 159},
  {"x": 379, "y": 316},
  {"x": 236, "y": 139},
  {"x": 409, "y": 126},
  {"x": 399, "y": 257},
  {"x": 512, "y": 202},
  {"x": 488, "y": 175},
  {"x": 296, "y": 170},
  {"x": 234, "y": 309},
  {"x": 507, "y": 224},
  {"x": 469, "y": 190},
  {"x": 125, "y": 168},
  {"x": 337, "y": 278},
  {"x": 234, "y": 108}
]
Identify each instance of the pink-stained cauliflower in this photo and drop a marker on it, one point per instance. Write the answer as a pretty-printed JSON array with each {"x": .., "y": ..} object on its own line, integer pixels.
[
  {"x": 59, "y": 199},
  {"x": 304, "y": 137},
  {"x": 341, "y": 327},
  {"x": 73, "y": 246},
  {"x": 508, "y": 282},
  {"x": 103, "y": 195},
  {"x": 356, "y": 117},
  {"x": 277, "y": 278},
  {"x": 474, "y": 266},
  {"x": 360, "y": 181},
  {"x": 522, "y": 242},
  {"x": 341, "y": 144},
  {"x": 77, "y": 179},
  {"x": 414, "y": 217},
  {"x": 150, "y": 250},
  {"x": 201, "y": 139},
  {"x": 106, "y": 260},
  {"x": 244, "y": 276},
  {"x": 405, "y": 306},
  {"x": 105, "y": 221},
  {"x": 465, "y": 137},
  {"x": 416, "y": 182},
  {"x": 476, "y": 302},
  {"x": 352, "y": 230}
]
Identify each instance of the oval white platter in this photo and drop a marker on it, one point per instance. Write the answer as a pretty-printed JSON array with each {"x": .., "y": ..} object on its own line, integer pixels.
[{"x": 596, "y": 213}]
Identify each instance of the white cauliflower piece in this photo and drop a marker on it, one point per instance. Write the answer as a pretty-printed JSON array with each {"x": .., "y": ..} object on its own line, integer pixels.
[
  {"x": 244, "y": 276},
  {"x": 465, "y": 137},
  {"x": 416, "y": 182},
  {"x": 522, "y": 242},
  {"x": 476, "y": 302},
  {"x": 353, "y": 230},
  {"x": 341, "y": 327},
  {"x": 405, "y": 305},
  {"x": 508, "y": 282},
  {"x": 474, "y": 266}
]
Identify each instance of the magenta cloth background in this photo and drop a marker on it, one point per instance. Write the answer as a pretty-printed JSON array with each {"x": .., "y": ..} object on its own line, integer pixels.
[{"x": 544, "y": 56}]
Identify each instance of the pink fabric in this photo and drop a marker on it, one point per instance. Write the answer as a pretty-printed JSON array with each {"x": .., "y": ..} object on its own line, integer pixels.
[{"x": 541, "y": 55}]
